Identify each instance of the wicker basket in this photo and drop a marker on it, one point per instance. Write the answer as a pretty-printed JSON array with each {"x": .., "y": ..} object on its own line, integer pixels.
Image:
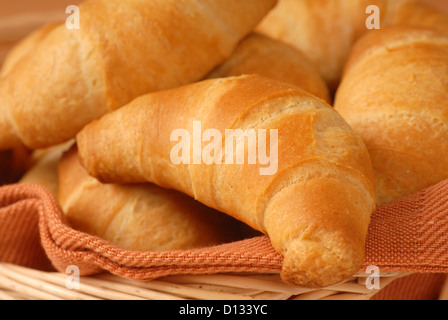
[{"x": 20, "y": 283}]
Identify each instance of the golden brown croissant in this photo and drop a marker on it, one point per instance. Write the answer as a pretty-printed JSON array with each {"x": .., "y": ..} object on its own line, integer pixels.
[
  {"x": 258, "y": 54},
  {"x": 415, "y": 13},
  {"x": 25, "y": 47},
  {"x": 313, "y": 194},
  {"x": 141, "y": 217},
  {"x": 394, "y": 94},
  {"x": 123, "y": 49},
  {"x": 325, "y": 30}
]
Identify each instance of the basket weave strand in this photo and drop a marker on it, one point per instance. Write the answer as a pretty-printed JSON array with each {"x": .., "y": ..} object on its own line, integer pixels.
[{"x": 34, "y": 284}]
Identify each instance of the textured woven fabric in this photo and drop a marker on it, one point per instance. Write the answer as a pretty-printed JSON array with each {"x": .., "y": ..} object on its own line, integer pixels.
[
  {"x": 407, "y": 235},
  {"x": 419, "y": 286}
]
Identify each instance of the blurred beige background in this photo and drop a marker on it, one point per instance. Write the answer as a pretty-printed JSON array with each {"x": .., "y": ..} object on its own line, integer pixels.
[
  {"x": 440, "y": 4},
  {"x": 8, "y": 7},
  {"x": 19, "y": 17}
]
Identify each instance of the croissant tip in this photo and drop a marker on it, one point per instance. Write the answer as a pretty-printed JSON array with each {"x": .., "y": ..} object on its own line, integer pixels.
[{"x": 309, "y": 264}]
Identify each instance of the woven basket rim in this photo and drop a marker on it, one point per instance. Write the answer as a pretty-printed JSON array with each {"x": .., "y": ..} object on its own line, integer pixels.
[{"x": 21, "y": 283}]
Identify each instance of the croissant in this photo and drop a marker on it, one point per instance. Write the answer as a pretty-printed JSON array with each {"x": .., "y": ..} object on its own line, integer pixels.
[
  {"x": 123, "y": 49},
  {"x": 258, "y": 54},
  {"x": 415, "y": 13},
  {"x": 142, "y": 217},
  {"x": 15, "y": 161},
  {"x": 394, "y": 94},
  {"x": 313, "y": 194},
  {"x": 326, "y": 30},
  {"x": 24, "y": 47}
]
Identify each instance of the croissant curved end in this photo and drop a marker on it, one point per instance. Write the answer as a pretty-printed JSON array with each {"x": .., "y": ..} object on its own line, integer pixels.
[
  {"x": 320, "y": 228},
  {"x": 313, "y": 265}
]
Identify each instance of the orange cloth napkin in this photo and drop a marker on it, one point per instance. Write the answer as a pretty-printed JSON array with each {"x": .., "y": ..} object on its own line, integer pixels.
[{"x": 409, "y": 235}]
